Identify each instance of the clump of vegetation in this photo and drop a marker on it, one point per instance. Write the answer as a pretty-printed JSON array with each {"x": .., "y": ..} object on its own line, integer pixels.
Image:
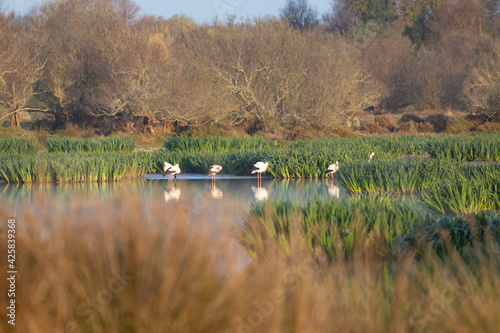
[
  {"x": 458, "y": 125},
  {"x": 100, "y": 145},
  {"x": 374, "y": 225},
  {"x": 218, "y": 144},
  {"x": 334, "y": 228},
  {"x": 74, "y": 167},
  {"x": 17, "y": 146},
  {"x": 474, "y": 148},
  {"x": 466, "y": 235},
  {"x": 470, "y": 189},
  {"x": 400, "y": 176}
]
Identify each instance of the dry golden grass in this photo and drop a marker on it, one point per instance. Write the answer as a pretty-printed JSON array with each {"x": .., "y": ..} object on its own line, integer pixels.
[{"x": 124, "y": 266}]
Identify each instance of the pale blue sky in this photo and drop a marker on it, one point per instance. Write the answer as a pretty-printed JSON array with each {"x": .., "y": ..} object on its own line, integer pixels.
[{"x": 202, "y": 11}]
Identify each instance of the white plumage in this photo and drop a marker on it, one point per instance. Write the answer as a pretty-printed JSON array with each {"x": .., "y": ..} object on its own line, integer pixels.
[
  {"x": 260, "y": 167},
  {"x": 172, "y": 170},
  {"x": 332, "y": 168},
  {"x": 213, "y": 170},
  {"x": 166, "y": 166},
  {"x": 371, "y": 156}
]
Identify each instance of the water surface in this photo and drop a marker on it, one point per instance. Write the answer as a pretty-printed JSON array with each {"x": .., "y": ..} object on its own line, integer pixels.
[{"x": 228, "y": 196}]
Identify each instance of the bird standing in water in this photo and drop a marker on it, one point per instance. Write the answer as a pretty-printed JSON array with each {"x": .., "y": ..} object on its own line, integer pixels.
[
  {"x": 213, "y": 170},
  {"x": 332, "y": 169},
  {"x": 259, "y": 168},
  {"x": 172, "y": 171}
]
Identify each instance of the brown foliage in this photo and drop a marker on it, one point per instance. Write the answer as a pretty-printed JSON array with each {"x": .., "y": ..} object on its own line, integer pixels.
[{"x": 458, "y": 125}]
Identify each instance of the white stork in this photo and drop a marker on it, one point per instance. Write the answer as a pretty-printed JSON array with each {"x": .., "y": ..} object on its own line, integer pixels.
[
  {"x": 166, "y": 166},
  {"x": 213, "y": 170},
  {"x": 259, "y": 168},
  {"x": 172, "y": 170},
  {"x": 332, "y": 168}
]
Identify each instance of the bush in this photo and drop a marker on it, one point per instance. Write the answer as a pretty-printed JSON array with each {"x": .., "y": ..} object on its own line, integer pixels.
[
  {"x": 458, "y": 126},
  {"x": 425, "y": 128},
  {"x": 409, "y": 127},
  {"x": 407, "y": 117},
  {"x": 439, "y": 121},
  {"x": 386, "y": 121}
]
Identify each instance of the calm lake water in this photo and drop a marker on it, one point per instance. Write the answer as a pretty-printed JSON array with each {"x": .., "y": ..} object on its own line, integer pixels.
[{"x": 229, "y": 196}]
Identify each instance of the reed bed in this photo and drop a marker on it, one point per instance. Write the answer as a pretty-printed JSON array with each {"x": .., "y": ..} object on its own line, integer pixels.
[
  {"x": 377, "y": 226},
  {"x": 122, "y": 266},
  {"x": 74, "y": 167},
  {"x": 471, "y": 190},
  {"x": 302, "y": 159},
  {"x": 399, "y": 176},
  {"x": 218, "y": 144},
  {"x": 478, "y": 233},
  {"x": 484, "y": 147},
  {"x": 334, "y": 228},
  {"x": 17, "y": 145},
  {"x": 100, "y": 145}
]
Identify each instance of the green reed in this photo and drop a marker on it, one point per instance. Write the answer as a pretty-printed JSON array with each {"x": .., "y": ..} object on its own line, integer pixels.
[
  {"x": 99, "y": 145},
  {"x": 463, "y": 234},
  {"x": 17, "y": 145},
  {"x": 483, "y": 147},
  {"x": 468, "y": 190},
  {"x": 218, "y": 144},
  {"x": 335, "y": 228},
  {"x": 374, "y": 225},
  {"x": 74, "y": 167}
]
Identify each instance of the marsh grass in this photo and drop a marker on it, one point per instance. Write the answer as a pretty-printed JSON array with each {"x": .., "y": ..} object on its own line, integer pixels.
[
  {"x": 463, "y": 194},
  {"x": 333, "y": 228},
  {"x": 100, "y": 145},
  {"x": 482, "y": 147},
  {"x": 218, "y": 144},
  {"x": 469, "y": 236},
  {"x": 74, "y": 167},
  {"x": 122, "y": 266},
  {"x": 17, "y": 145}
]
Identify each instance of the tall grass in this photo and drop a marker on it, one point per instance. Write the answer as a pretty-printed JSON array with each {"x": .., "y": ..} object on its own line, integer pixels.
[
  {"x": 17, "y": 146},
  {"x": 375, "y": 226},
  {"x": 100, "y": 145},
  {"x": 479, "y": 232},
  {"x": 484, "y": 147},
  {"x": 74, "y": 167},
  {"x": 335, "y": 228},
  {"x": 218, "y": 144},
  {"x": 469, "y": 190},
  {"x": 123, "y": 266}
]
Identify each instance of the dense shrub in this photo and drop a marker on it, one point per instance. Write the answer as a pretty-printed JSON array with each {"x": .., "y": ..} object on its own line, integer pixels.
[{"x": 458, "y": 125}]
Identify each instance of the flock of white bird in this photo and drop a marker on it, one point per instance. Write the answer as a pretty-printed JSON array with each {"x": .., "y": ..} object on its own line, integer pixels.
[
  {"x": 173, "y": 170},
  {"x": 259, "y": 168}
]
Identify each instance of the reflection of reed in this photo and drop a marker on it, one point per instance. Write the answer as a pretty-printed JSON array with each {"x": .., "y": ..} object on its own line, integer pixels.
[{"x": 81, "y": 191}]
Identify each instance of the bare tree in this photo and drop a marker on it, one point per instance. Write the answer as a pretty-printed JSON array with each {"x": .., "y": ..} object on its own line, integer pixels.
[
  {"x": 483, "y": 86},
  {"x": 20, "y": 69}
]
